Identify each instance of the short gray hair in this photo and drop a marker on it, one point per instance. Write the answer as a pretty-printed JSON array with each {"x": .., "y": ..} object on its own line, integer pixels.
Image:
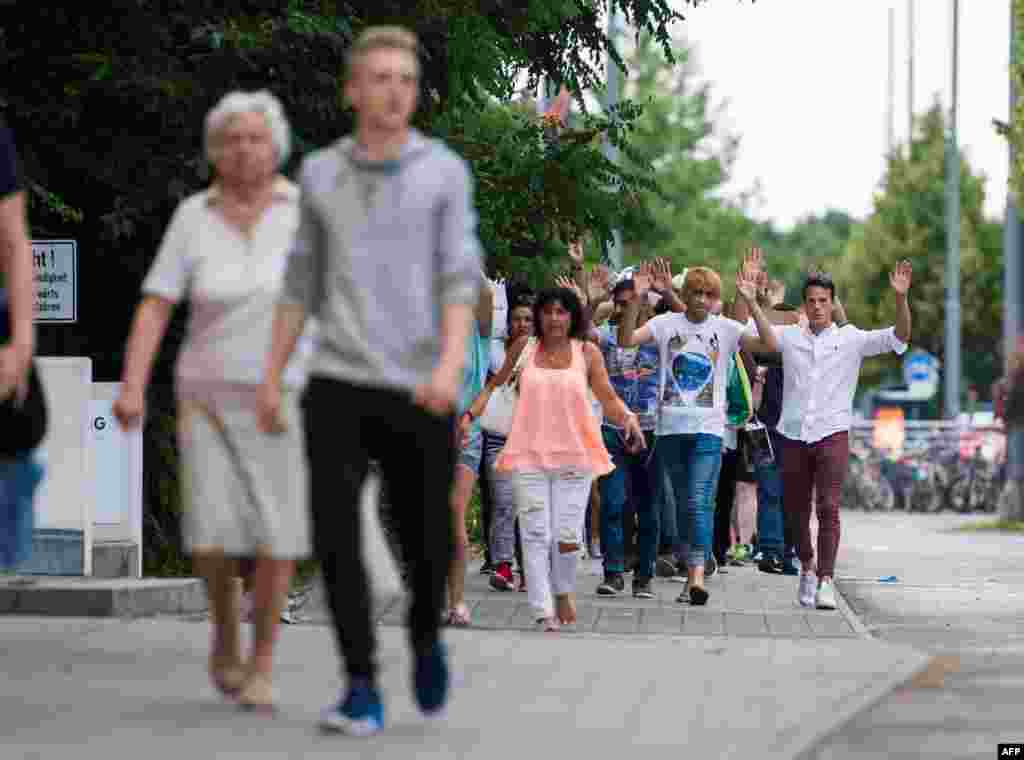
[{"x": 239, "y": 102}]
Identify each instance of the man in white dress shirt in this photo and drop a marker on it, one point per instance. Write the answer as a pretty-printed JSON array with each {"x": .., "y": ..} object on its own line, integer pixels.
[{"x": 821, "y": 363}]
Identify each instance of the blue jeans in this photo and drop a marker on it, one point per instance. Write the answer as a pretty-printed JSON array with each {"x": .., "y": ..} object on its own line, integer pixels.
[
  {"x": 770, "y": 526},
  {"x": 692, "y": 463},
  {"x": 633, "y": 478},
  {"x": 18, "y": 481}
]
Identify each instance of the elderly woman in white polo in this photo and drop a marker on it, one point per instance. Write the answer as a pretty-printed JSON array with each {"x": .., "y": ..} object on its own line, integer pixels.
[{"x": 224, "y": 250}]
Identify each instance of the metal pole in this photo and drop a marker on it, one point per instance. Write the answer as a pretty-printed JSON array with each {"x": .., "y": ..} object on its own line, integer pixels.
[
  {"x": 890, "y": 94},
  {"x": 611, "y": 101},
  {"x": 910, "y": 72},
  {"x": 952, "y": 358},
  {"x": 1013, "y": 277}
]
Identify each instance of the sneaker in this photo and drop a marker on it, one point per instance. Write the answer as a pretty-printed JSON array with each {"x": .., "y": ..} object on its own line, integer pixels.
[
  {"x": 680, "y": 574},
  {"x": 758, "y": 557},
  {"x": 825, "y": 598},
  {"x": 808, "y": 585},
  {"x": 614, "y": 584},
  {"x": 487, "y": 568},
  {"x": 665, "y": 567},
  {"x": 710, "y": 567},
  {"x": 502, "y": 579},
  {"x": 361, "y": 713},
  {"x": 430, "y": 678},
  {"x": 772, "y": 565},
  {"x": 642, "y": 588}
]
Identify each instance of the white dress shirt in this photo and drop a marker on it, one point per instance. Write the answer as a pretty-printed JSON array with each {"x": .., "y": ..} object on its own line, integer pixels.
[{"x": 820, "y": 376}]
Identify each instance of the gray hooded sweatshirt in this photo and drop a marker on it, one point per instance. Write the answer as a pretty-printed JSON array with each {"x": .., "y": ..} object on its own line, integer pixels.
[{"x": 379, "y": 250}]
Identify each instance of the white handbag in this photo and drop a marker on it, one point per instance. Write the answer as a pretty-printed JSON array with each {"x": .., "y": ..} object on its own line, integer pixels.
[{"x": 501, "y": 407}]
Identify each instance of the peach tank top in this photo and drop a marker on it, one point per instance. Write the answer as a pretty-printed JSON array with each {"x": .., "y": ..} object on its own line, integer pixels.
[{"x": 554, "y": 425}]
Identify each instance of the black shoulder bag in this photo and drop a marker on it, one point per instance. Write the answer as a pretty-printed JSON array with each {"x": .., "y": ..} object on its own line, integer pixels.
[{"x": 22, "y": 425}]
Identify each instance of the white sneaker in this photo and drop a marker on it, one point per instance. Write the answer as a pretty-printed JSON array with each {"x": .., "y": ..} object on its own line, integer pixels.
[
  {"x": 825, "y": 599},
  {"x": 808, "y": 583}
]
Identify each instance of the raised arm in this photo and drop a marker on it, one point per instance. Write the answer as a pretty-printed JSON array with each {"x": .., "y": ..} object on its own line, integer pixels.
[
  {"x": 661, "y": 283},
  {"x": 900, "y": 280},
  {"x": 598, "y": 291},
  {"x": 628, "y": 334},
  {"x": 579, "y": 272},
  {"x": 765, "y": 341},
  {"x": 753, "y": 265}
]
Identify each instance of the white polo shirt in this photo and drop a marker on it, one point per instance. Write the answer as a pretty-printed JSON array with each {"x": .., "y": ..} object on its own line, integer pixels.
[{"x": 820, "y": 375}]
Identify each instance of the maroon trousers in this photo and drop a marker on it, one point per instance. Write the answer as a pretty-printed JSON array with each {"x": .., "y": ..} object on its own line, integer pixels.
[{"x": 809, "y": 468}]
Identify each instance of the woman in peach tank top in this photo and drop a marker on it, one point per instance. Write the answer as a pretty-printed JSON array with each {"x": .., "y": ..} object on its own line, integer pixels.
[{"x": 555, "y": 449}]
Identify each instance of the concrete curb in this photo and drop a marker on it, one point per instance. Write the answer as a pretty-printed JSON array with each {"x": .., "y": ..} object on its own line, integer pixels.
[
  {"x": 88, "y": 597},
  {"x": 851, "y": 617},
  {"x": 800, "y": 743}
]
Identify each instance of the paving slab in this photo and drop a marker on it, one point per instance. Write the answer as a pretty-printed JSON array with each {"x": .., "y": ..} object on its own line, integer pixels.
[
  {"x": 131, "y": 687},
  {"x": 753, "y": 597}
]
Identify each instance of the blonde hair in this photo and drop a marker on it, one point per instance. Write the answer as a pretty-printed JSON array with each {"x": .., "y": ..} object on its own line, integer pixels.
[
  {"x": 381, "y": 38},
  {"x": 705, "y": 277}
]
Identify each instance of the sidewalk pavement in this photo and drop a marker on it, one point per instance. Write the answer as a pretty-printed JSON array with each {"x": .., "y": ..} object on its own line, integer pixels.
[
  {"x": 744, "y": 602},
  {"x": 956, "y": 596},
  {"x": 752, "y": 674}
]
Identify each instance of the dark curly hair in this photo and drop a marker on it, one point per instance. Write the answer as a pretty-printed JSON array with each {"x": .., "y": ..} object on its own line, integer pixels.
[{"x": 570, "y": 302}]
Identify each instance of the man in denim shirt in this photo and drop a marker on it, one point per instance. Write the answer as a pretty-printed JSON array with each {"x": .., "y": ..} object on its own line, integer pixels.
[{"x": 634, "y": 374}]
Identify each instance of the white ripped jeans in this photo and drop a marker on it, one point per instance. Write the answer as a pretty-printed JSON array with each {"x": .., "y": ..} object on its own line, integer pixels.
[{"x": 551, "y": 505}]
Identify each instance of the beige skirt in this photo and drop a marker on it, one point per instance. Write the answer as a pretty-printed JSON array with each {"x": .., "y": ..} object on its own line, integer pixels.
[{"x": 244, "y": 492}]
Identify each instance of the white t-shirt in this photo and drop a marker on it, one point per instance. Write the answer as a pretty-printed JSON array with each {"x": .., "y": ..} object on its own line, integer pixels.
[{"x": 694, "y": 372}]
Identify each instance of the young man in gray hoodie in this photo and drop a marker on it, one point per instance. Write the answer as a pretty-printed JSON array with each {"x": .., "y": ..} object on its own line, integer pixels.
[{"x": 387, "y": 259}]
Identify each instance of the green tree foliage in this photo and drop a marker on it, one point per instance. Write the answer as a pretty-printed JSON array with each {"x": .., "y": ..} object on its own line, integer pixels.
[
  {"x": 109, "y": 122},
  {"x": 678, "y": 135},
  {"x": 107, "y": 101},
  {"x": 908, "y": 222},
  {"x": 815, "y": 242}
]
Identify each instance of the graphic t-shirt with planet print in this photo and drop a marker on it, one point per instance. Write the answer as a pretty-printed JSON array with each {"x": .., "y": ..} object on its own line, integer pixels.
[{"x": 694, "y": 364}]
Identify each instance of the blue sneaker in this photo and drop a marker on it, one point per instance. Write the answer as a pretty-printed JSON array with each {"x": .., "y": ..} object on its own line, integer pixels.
[
  {"x": 360, "y": 714},
  {"x": 431, "y": 679}
]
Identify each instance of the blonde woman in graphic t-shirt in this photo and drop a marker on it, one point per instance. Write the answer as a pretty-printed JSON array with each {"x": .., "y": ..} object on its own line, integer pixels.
[
  {"x": 225, "y": 251},
  {"x": 695, "y": 348}
]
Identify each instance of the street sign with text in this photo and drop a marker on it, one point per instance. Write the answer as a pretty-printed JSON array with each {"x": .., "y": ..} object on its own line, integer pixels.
[{"x": 55, "y": 272}]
